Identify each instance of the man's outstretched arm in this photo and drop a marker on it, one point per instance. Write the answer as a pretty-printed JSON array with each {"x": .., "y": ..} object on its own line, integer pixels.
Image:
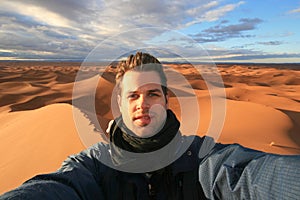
[
  {"x": 78, "y": 178},
  {"x": 235, "y": 172}
]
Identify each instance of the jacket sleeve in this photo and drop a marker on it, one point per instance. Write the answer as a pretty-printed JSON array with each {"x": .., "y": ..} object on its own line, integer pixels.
[
  {"x": 78, "y": 178},
  {"x": 235, "y": 172}
]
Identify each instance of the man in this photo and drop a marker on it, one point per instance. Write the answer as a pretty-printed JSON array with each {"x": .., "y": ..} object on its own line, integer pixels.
[{"x": 132, "y": 169}]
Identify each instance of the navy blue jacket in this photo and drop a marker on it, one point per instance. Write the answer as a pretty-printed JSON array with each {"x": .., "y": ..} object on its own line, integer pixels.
[{"x": 224, "y": 172}]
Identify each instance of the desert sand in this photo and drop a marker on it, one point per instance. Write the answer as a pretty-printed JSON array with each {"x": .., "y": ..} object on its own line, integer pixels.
[{"x": 38, "y": 130}]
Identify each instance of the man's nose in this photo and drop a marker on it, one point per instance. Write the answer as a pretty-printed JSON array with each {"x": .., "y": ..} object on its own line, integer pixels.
[{"x": 143, "y": 102}]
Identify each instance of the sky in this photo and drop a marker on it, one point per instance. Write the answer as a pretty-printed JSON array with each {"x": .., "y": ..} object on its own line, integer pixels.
[{"x": 259, "y": 31}]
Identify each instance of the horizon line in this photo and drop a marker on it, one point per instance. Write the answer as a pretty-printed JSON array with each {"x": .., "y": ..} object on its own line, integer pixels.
[{"x": 163, "y": 62}]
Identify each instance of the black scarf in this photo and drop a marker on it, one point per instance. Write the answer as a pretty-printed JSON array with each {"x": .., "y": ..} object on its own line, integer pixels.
[
  {"x": 122, "y": 137},
  {"x": 125, "y": 146}
]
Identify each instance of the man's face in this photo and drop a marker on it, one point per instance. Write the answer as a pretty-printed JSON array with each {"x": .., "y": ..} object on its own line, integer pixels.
[{"x": 142, "y": 103}]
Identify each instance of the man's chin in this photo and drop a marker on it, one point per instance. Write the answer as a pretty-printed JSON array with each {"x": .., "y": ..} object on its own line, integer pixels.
[{"x": 144, "y": 131}]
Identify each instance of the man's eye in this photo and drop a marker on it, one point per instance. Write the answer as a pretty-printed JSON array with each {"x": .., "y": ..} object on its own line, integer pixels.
[
  {"x": 132, "y": 96},
  {"x": 154, "y": 95}
]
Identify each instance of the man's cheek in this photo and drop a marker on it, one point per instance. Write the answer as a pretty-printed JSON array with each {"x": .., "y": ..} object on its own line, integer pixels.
[
  {"x": 157, "y": 108},
  {"x": 160, "y": 115}
]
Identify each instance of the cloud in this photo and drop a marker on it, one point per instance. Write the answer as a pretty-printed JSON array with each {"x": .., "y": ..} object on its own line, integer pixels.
[
  {"x": 36, "y": 13},
  {"x": 163, "y": 13},
  {"x": 223, "y": 32},
  {"x": 109, "y": 17},
  {"x": 297, "y": 10},
  {"x": 271, "y": 43},
  {"x": 214, "y": 14},
  {"x": 70, "y": 29},
  {"x": 249, "y": 56}
]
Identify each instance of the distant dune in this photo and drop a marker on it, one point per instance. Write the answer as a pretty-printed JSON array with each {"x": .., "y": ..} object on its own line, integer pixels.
[{"x": 38, "y": 130}]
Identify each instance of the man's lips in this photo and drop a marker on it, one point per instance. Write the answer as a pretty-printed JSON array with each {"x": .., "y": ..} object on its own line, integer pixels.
[{"x": 142, "y": 120}]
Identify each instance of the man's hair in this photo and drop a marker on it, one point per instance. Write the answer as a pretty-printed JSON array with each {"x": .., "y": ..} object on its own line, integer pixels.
[{"x": 141, "y": 62}]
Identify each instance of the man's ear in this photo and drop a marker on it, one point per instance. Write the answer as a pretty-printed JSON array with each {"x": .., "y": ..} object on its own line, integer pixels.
[
  {"x": 109, "y": 126},
  {"x": 167, "y": 100},
  {"x": 119, "y": 100}
]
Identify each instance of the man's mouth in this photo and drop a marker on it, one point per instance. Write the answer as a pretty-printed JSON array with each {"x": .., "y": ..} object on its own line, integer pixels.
[{"x": 142, "y": 120}]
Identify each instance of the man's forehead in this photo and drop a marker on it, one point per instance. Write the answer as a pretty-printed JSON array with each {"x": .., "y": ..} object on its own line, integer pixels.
[{"x": 133, "y": 80}]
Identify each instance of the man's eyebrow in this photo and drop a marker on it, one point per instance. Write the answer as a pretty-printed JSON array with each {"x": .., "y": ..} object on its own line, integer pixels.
[
  {"x": 149, "y": 91},
  {"x": 131, "y": 92},
  {"x": 154, "y": 90}
]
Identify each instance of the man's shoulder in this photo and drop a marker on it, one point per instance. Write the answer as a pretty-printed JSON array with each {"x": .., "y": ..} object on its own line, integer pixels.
[
  {"x": 97, "y": 151},
  {"x": 195, "y": 142},
  {"x": 189, "y": 149}
]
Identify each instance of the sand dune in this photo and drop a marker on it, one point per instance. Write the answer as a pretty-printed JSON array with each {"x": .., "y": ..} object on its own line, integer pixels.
[
  {"x": 38, "y": 128},
  {"x": 35, "y": 141}
]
